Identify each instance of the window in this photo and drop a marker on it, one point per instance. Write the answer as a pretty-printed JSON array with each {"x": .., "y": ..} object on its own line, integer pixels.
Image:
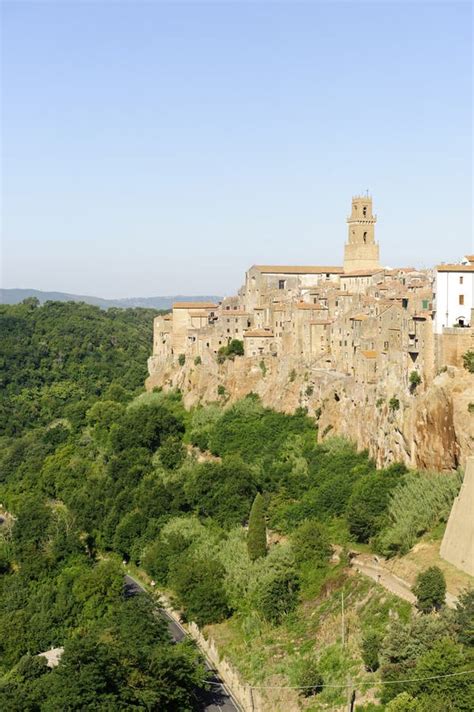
[
  {"x": 281, "y": 284},
  {"x": 461, "y": 280},
  {"x": 365, "y": 237},
  {"x": 364, "y": 211},
  {"x": 461, "y": 299},
  {"x": 424, "y": 303}
]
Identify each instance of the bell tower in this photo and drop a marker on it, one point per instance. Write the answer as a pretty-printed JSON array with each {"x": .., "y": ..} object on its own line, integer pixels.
[{"x": 361, "y": 252}]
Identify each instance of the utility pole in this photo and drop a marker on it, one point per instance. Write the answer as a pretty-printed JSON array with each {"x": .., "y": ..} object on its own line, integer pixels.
[
  {"x": 351, "y": 695},
  {"x": 343, "y": 627}
]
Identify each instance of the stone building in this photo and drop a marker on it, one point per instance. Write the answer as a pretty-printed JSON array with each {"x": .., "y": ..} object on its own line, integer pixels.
[{"x": 360, "y": 320}]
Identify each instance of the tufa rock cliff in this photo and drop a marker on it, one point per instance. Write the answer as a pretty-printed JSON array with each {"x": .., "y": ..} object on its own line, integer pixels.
[{"x": 431, "y": 428}]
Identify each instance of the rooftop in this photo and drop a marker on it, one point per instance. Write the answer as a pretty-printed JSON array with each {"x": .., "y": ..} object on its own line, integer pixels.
[
  {"x": 258, "y": 332},
  {"x": 194, "y": 305},
  {"x": 291, "y": 269},
  {"x": 363, "y": 272},
  {"x": 455, "y": 268},
  {"x": 307, "y": 305},
  {"x": 369, "y": 354},
  {"x": 359, "y": 317}
]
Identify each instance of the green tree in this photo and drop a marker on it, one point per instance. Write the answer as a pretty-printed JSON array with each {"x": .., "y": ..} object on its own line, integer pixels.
[
  {"x": 444, "y": 690},
  {"x": 370, "y": 648},
  {"x": 310, "y": 544},
  {"x": 430, "y": 589},
  {"x": 172, "y": 452},
  {"x": 468, "y": 361},
  {"x": 369, "y": 502},
  {"x": 198, "y": 584},
  {"x": 145, "y": 426},
  {"x": 464, "y": 617},
  {"x": 257, "y": 531}
]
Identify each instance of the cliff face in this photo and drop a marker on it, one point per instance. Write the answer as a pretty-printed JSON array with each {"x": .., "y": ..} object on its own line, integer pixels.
[{"x": 431, "y": 429}]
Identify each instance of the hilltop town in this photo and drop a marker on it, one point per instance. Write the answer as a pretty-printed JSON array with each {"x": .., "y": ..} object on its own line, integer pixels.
[{"x": 375, "y": 352}]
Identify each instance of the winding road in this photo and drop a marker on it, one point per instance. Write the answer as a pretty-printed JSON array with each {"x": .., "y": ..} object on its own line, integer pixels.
[{"x": 218, "y": 698}]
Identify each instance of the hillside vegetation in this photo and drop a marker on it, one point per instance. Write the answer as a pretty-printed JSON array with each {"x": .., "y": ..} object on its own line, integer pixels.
[{"x": 102, "y": 474}]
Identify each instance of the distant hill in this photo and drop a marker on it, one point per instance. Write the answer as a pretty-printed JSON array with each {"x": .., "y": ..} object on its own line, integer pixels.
[{"x": 14, "y": 296}]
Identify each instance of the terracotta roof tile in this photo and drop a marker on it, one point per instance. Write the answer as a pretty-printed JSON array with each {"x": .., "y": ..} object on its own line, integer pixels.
[
  {"x": 194, "y": 305},
  {"x": 369, "y": 354},
  {"x": 306, "y": 305}
]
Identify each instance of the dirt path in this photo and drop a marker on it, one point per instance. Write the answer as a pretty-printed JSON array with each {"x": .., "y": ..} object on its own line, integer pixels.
[{"x": 373, "y": 567}]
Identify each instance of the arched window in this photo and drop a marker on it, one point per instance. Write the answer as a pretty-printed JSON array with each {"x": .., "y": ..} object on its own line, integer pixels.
[
  {"x": 365, "y": 237},
  {"x": 364, "y": 211}
]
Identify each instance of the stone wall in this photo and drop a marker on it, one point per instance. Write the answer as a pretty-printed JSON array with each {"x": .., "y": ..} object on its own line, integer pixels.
[
  {"x": 457, "y": 546},
  {"x": 249, "y": 698},
  {"x": 453, "y": 344}
]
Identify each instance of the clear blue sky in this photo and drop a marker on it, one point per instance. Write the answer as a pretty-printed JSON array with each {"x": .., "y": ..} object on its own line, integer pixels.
[{"x": 156, "y": 148}]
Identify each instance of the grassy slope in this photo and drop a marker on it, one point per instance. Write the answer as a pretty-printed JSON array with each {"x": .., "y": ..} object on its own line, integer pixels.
[{"x": 270, "y": 656}]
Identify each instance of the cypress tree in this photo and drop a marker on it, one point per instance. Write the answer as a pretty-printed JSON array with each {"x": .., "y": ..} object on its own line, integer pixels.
[{"x": 257, "y": 533}]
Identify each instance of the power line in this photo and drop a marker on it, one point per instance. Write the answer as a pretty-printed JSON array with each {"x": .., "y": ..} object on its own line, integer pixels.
[{"x": 358, "y": 683}]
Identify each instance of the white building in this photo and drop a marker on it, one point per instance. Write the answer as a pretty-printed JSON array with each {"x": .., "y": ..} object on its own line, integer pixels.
[{"x": 454, "y": 295}]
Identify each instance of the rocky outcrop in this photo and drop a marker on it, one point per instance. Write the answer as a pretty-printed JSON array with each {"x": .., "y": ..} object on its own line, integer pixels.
[
  {"x": 432, "y": 428},
  {"x": 458, "y": 542}
]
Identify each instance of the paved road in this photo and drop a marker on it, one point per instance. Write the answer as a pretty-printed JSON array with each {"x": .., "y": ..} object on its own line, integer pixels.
[
  {"x": 217, "y": 699},
  {"x": 374, "y": 568}
]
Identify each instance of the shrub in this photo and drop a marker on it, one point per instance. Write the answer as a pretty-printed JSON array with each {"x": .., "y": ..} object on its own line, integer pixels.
[
  {"x": 182, "y": 359},
  {"x": 257, "y": 533},
  {"x": 379, "y": 402},
  {"x": 468, "y": 361},
  {"x": 394, "y": 403},
  {"x": 415, "y": 380},
  {"x": 327, "y": 430},
  {"x": 292, "y": 376},
  {"x": 370, "y": 648},
  {"x": 220, "y": 390},
  {"x": 277, "y": 594},
  {"x": 470, "y": 408},
  {"x": 309, "y": 391},
  {"x": 430, "y": 589},
  {"x": 309, "y": 678},
  {"x": 197, "y": 361},
  {"x": 405, "y": 703},
  {"x": 263, "y": 368},
  {"x": 234, "y": 348}
]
